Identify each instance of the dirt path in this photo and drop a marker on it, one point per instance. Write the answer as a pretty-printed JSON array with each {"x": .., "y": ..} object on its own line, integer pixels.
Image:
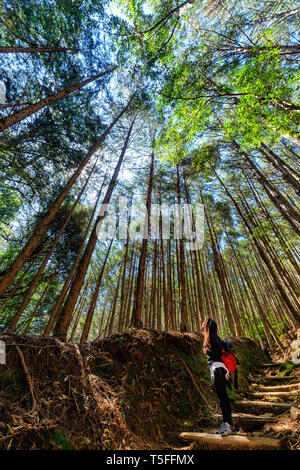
[{"x": 266, "y": 416}]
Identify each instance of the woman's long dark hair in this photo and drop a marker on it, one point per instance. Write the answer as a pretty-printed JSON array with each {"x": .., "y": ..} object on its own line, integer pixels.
[{"x": 211, "y": 339}]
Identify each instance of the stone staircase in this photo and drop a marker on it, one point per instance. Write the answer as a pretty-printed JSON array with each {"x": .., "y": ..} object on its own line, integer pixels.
[{"x": 268, "y": 397}]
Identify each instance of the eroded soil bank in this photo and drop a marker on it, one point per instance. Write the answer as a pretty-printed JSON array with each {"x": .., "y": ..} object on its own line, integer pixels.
[{"x": 135, "y": 390}]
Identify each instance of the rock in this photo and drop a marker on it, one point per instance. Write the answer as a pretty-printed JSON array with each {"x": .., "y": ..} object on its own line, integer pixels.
[
  {"x": 216, "y": 441},
  {"x": 295, "y": 412}
]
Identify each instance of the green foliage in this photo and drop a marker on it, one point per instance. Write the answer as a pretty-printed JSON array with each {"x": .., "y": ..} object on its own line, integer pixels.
[
  {"x": 265, "y": 109},
  {"x": 279, "y": 327},
  {"x": 204, "y": 73},
  {"x": 185, "y": 408},
  {"x": 61, "y": 442},
  {"x": 10, "y": 202},
  {"x": 187, "y": 121},
  {"x": 286, "y": 368},
  {"x": 103, "y": 370},
  {"x": 207, "y": 153}
]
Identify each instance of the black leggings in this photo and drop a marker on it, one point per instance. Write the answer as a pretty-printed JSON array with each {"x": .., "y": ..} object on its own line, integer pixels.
[{"x": 220, "y": 387}]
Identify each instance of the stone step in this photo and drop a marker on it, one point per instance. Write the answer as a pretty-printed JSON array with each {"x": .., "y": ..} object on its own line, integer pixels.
[
  {"x": 249, "y": 422},
  {"x": 249, "y": 417},
  {"x": 277, "y": 388},
  {"x": 234, "y": 442},
  {"x": 272, "y": 364},
  {"x": 275, "y": 378},
  {"x": 289, "y": 393},
  {"x": 257, "y": 406}
]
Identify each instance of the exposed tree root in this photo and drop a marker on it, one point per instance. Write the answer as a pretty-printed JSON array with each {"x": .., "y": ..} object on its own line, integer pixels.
[{"x": 28, "y": 377}]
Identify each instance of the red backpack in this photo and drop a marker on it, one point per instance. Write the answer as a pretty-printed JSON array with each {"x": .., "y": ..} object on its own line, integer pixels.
[{"x": 229, "y": 361}]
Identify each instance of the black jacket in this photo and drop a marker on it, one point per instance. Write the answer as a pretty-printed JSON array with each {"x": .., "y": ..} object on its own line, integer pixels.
[{"x": 214, "y": 354}]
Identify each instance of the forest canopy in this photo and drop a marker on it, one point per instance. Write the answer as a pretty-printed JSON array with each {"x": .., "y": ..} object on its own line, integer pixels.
[{"x": 161, "y": 102}]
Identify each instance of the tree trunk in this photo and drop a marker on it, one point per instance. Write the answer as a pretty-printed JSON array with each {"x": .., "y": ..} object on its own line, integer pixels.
[
  {"x": 131, "y": 288},
  {"x": 136, "y": 320},
  {"x": 18, "y": 116},
  {"x": 19, "y": 282},
  {"x": 89, "y": 317},
  {"x": 122, "y": 299},
  {"x": 62, "y": 295},
  {"x": 291, "y": 215},
  {"x": 35, "y": 310},
  {"x": 112, "y": 315},
  {"x": 264, "y": 257},
  {"x": 184, "y": 325},
  {"x": 36, "y": 278},
  {"x": 153, "y": 289},
  {"x": 63, "y": 323},
  {"x": 220, "y": 274},
  {"x": 290, "y": 176},
  {"x": 34, "y": 240},
  {"x": 33, "y": 50}
]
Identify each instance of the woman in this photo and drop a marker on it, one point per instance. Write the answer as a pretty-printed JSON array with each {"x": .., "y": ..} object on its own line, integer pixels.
[{"x": 214, "y": 347}]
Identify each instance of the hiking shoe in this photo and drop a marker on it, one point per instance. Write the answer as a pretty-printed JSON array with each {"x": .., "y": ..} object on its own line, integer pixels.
[{"x": 226, "y": 429}]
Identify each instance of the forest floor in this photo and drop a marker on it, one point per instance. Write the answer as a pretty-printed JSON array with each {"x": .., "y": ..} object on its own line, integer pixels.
[
  {"x": 136, "y": 390},
  {"x": 267, "y": 414}
]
